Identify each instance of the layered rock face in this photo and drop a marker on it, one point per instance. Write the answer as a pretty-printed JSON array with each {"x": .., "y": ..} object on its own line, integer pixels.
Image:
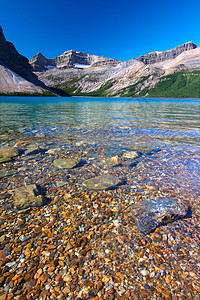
[
  {"x": 106, "y": 62},
  {"x": 186, "y": 60},
  {"x": 156, "y": 57},
  {"x": 70, "y": 59}
]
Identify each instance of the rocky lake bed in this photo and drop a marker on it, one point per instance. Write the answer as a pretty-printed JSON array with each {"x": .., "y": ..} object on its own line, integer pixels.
[{"x": 99, "y": 211}]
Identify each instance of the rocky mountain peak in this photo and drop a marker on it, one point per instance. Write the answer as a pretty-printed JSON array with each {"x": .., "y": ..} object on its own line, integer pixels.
[
  {"x": 156, "y": 56},
  {"x": 40, "y": 55},
  {"x": 1, "y": 34},
  {"x": 3, "y": 46},
  {"x": 40, "y": 63},
  {"x": 70, "y": 59}
]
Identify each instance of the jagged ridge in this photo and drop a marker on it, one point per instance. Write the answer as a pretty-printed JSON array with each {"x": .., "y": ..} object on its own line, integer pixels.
[
  {"x": 70, "y": 59},
  {"x": 156, "y": 57}
]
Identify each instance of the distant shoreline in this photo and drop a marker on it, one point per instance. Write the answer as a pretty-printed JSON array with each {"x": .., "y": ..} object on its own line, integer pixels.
[{"x": 94, "y": 97}]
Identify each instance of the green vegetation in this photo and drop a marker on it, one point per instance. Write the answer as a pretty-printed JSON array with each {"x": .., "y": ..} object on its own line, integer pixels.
[
  {"x": 69, "y": 87},
  {"x": 23, "y": 94},
  {"x": 131, "y": 90},
  {"x": 72, "y": 81},
  {"x": 101, "y": 92},
  {"x": 53, "y": 78},
  {"x": 69, "y": 90},
  {"x": 183, "y": 84}
]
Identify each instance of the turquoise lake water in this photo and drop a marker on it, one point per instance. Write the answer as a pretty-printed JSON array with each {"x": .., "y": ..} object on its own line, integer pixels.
[
  {"x": 110, "y": 124},
  {"x": 155, "y": 120}
]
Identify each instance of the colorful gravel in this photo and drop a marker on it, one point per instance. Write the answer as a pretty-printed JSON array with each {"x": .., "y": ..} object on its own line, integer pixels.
[{"x": 83, "y": 243}]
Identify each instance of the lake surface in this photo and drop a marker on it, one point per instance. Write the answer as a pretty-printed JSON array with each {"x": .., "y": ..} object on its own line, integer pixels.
[
  {"x": 108, "y": 126},
  {"x": 89, "y": 227}
]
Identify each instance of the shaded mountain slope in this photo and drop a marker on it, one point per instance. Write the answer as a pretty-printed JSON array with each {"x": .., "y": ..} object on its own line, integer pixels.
[
  {"x": 15, "y": 71},
  {"x": 12, "y": 82}
]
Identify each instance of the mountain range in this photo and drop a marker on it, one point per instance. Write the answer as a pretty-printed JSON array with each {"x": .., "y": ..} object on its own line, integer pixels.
[{"x": 172, "y": 73}]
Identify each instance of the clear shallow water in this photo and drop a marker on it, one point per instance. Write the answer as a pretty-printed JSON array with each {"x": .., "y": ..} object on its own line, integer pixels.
[
  {"x": 149, "y": 119},
  {"x": 112, "y": 125}
]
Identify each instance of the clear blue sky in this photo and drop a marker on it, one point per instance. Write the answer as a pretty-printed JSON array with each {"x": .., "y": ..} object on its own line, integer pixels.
[{"x": 122, "y": 29}]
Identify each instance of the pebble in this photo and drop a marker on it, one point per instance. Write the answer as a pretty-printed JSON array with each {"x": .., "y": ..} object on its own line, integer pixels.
[
  {"x": 82, "y": 242},
  {"x": 144, "y": 272},
  {"x": 60, "y": 183}
]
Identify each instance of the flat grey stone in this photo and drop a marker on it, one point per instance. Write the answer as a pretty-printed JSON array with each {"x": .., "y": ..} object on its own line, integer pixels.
[
  {"x": 102, "y": 182},
  {"x": 131, "y": 154},
  {"x": 67, "y": 163},
  {"x": 33, "y": 149},
  {"x": 60, "y": 183},
  {"x": 5, "y": 159},
  {"x": 148, "y": 215}
]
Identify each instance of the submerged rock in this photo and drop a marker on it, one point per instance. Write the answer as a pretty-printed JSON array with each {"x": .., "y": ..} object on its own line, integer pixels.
[
  {"x": 27, "y": 196},
  {"x": 150, "y": 214},
  {"x": 144, "y": 149},
  {"x": 7, "y": 153},
  {"x": 102, "y": 182},
  {"x": 60, "y": 183},
  {"x": 131, "y": 154},
  {"x": 33, "y": 149},
  {"x": 5, "y": 159},
  {"x": 5, "y": 173},
  {"x": 67, "y": 163},
  {"x": 113, "y": 161}
]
